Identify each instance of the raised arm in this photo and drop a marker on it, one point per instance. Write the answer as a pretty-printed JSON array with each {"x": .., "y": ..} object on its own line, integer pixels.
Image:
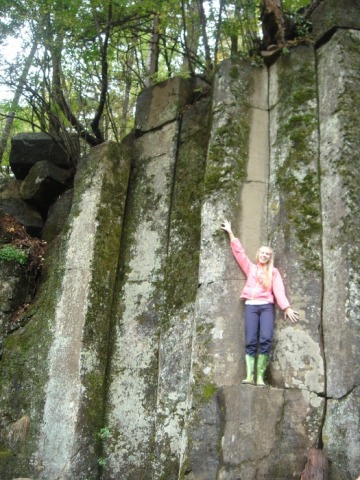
[{"x": 237, "y": 249}]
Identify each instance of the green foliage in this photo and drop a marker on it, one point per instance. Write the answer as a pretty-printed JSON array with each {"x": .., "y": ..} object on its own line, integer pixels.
[
  {"x": 11, "y": 253},
  {"x": 257, "y": 61},
  {"x": 104, "y": 433},
  {"x": 93, "y": 55},
  {"x": 21, "y": 123},
  {"x": 294, "y": 5},
  {"x": 209, "y": 391},
  {"x": 302, "y": 25}
]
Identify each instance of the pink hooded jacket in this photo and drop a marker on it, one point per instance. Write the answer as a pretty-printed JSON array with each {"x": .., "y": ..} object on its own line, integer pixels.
[{"x": 253, "y": 289}]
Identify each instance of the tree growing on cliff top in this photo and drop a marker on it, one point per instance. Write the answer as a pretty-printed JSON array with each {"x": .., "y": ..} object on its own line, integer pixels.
[{"x": 94, "y": 56}]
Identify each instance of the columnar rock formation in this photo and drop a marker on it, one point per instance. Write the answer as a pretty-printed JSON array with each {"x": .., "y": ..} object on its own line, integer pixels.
[{"x": 130, "y": 365}]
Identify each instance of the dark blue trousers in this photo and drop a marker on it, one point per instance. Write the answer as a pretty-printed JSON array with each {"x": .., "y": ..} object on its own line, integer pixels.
[{"x": 259, "y": 326}]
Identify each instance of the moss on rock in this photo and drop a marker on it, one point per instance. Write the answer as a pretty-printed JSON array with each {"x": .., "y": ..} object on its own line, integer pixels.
[
  {"x": 227, "y": 157},
  {"x": 296, "y": 154}
]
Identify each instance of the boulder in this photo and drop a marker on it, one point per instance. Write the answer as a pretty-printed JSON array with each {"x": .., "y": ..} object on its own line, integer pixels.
[
  {"x": 44, "y": 183},
  {"x": 24, "y": 213},
  {"x": 30, "y": 148}
]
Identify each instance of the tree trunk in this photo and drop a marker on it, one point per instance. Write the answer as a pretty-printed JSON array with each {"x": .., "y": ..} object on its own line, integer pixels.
[
  {"x": 209, "y": 65},
  {"x": 192, "y": 34},
  {"x": 126, "y": 102},
  {"x": 15, "y": 101},
  {"x": 153, "y": 58},
  {"x": 273, "y": 24},
  {"x": 235, "y": 37},
  {"x": 218, "y": 30}
]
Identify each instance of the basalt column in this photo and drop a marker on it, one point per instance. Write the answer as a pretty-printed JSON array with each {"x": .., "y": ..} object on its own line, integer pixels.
[
  {"x": 180, "y": 289},
  {"x": 53, "y": 368},
  {"x": 149, "y": 364},
  {"x": 231, "y": 184},
  {"x": 237, "y": 430},
  {"x": 339, "y": 97},
  {"x": 294, "y": 231}
]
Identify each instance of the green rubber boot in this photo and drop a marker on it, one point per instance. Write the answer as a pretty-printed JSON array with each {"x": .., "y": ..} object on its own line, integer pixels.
[
  {"x": 262, "y": 363},
  {"x": 250, "y": 367}
]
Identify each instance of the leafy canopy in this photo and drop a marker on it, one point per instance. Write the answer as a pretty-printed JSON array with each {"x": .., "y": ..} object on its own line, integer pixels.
[{"x": 92, "y": 57}]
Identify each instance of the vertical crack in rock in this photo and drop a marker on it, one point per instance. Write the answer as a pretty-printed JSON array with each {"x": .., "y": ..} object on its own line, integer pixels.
[
  {"x": 269, "y": 154},
  {"x": 164, "y": 424},
  {"x": 320, "y": 442}
]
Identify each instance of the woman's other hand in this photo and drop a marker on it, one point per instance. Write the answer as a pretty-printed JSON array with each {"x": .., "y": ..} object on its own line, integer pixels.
[{"x": 291, "y": 314}]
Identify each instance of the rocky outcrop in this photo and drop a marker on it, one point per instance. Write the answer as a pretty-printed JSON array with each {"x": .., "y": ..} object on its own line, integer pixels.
[
  {"x": 139, "y": 314},
  {"x": 44, "y": 168},
  {"x": 12, "y": 203}
]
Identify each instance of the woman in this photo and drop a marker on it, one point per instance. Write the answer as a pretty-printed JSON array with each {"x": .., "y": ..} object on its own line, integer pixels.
[{"x": 263, "y": 286}]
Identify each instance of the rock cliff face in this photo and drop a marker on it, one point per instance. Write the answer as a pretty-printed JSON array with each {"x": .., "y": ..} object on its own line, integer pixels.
[{"x": 131, "y": 361}]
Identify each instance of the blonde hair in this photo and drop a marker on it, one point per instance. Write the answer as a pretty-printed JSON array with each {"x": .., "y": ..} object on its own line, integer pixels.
[{"x": 268, "y": 267}]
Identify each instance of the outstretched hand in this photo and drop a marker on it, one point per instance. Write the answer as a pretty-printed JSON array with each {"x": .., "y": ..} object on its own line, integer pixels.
[
  {"x": 226, "y": 225},
  {"x": 291, "y": 314}
]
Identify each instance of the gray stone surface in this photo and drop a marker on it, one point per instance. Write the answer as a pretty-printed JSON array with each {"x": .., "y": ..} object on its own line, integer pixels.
[
  {"x": 82, "y": 317},
  {"x": 14, "y": 292},
  {"x": 131, "y": 409},
  {"x": 341, "y": 435},
  {"x": 180, "y": 289},
  {"x": 339, "y": 80},
  {"x": 162, "y": 103},
  {"x": 264, "y": 425},
  {"x": 335, "y": 14},
  {"x": 28, "y": 215},
  {"x": 57, "y": 216},
  {"x": 218, "y": 349},
  {"x": 294, "y": 219}
]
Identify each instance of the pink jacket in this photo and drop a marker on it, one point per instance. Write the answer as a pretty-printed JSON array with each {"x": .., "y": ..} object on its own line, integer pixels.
[{"x": 253, "y": 289}]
